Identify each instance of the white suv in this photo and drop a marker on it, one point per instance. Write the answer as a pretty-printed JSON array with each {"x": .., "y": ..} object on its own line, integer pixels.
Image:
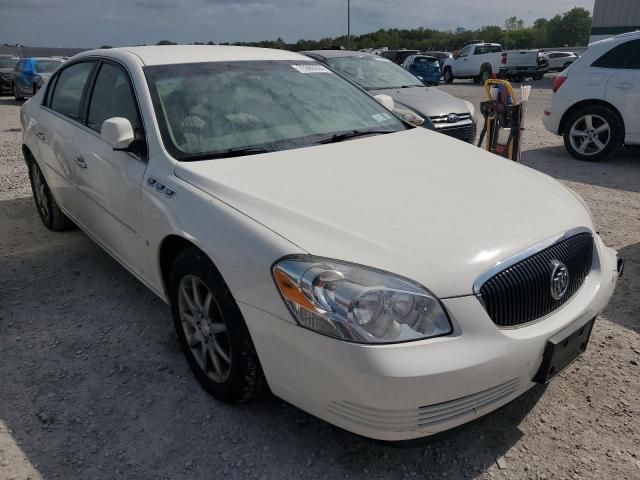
[{"x": 596, "y": 106}]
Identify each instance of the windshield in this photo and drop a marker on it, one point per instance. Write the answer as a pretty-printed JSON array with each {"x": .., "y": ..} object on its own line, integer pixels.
[
  {"x": 8, "y": 62},
  {"x": 374, "y": 73},
  {"x": 248, "y": 107},
  {"x": 426, "y": 64},
  {"x": 47, "y": 66}
]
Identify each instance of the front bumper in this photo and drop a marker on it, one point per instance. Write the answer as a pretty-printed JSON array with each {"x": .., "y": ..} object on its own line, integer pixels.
[
  {"x": 5, "y": 85},
  {"x": 411, "y": 390}
]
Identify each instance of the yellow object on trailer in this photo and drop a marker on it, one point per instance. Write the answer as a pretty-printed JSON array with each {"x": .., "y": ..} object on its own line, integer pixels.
[{"x": 504, "y": 119}]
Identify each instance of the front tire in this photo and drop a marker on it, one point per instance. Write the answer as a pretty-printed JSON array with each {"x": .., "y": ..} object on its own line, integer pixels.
[
  {"x": 212, "y": 332},
  {"x": 448, "y": 75},
  {"x": 592, "y": 133},
  {"x": 48, "y": 210}
]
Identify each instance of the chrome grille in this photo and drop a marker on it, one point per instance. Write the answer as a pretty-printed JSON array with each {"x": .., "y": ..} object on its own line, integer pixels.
[
  {"x": 466, "y": 133},
  {"x": 522, "y": 293},
  {"x": 439, "y": 120}
]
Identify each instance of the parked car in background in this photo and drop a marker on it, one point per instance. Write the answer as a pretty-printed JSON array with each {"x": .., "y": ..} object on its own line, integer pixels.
[
  {"x": 425, "y": 67},
  {"x": 7, "y": 64},
  {"x": 441, "y": 112},
  {"x": 441, "y": 56},
  {"x": 559, "y": 61},
  {"x": 480, "y": 61},
  {"x": 596, "y": 104},
  {"x": 30, "y": 74},
  {"x": 398, "y": 56},
  {"x": 373, "y": 274}
]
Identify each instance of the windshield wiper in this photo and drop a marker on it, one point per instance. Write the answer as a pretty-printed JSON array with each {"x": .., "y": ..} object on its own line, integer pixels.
[
  {"x": 341, "y": 137},
  {"x": 232, "y": 152}
]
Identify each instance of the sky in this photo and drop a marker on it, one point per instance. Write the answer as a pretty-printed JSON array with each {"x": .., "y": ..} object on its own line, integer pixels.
[{"x": 91, "y": 23}]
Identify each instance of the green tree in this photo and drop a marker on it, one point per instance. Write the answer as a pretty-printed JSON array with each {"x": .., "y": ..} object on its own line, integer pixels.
[{"x": 571, "y": 28}]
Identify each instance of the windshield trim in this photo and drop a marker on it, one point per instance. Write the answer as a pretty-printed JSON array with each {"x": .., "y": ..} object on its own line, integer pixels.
[{"x": 254, "y": 149}]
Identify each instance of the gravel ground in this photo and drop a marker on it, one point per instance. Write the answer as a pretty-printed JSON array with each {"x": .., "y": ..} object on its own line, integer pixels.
[{"x": 93, "y": 384}]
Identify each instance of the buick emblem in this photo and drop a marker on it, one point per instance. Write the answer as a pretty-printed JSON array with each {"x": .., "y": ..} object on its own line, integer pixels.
[
  {"x": 559, "y": 279},
  {"x": 453, "y": 118}
]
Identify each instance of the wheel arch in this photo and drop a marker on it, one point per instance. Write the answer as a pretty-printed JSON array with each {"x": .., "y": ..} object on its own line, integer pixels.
[
  {"x": 170, "y": 247},
  {"x": 486, "y": 65},
  {"x": 28, "y": 155},
  {"x": 587, "y": 103}
]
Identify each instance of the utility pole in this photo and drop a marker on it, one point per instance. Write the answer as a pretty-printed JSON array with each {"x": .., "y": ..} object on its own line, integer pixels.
[{"x": 348, "y": 24}]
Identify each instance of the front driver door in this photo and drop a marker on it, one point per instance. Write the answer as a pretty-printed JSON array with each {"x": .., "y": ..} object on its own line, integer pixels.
[
  {"x": 461, "y": 64},
  {"x": 109, "y": 181}
]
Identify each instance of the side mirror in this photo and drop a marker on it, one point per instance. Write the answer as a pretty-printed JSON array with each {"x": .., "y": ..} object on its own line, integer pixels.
[
  {"x": 117, "y": 132},
  {"x": 386, "y": 101}
]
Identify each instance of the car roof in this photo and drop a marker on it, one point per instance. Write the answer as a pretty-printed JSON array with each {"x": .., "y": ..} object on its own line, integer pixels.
[
  {"x": 174, "y": 54},
  {"x": 432, "y": 57},
  {"x": 338, "y": 53}
]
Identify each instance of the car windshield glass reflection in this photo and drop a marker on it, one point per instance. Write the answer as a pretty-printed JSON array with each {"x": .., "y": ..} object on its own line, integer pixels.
[
  {"x": 374, "y": 73},
  {"x": 220, "y": 109},
  {"x": 47, "y": 66}
]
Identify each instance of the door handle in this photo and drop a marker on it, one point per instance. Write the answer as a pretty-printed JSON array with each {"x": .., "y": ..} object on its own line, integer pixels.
[
  {"x": 624, "y": 86},
  {"x": 80, "y": 161}
]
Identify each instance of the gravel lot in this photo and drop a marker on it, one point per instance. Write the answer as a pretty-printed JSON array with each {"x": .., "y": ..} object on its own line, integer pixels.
[{"x": 93, "y": 384}]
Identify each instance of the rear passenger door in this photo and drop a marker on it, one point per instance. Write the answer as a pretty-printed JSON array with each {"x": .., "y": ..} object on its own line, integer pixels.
[
  {"x": 623, "y": 87},
  {"x": 56, "y": 126},
  {"x": 109, "y": 181}
]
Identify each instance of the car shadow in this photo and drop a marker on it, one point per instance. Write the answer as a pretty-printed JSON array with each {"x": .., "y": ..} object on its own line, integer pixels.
[
  {"x": 9, "y": 100},
  {"x": 621, "y": 171},
  {"x": 95, "y": 386},
  {"x": 620, "y": 310}
]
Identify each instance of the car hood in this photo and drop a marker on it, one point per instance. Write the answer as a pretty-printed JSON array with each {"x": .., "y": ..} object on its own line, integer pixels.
[
  {"x": 426, "y": 101},
  {"x": 415, "y": 203}
]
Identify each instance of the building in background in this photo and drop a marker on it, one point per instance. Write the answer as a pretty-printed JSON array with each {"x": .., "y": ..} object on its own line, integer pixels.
[{"x": 613, "y": 17}]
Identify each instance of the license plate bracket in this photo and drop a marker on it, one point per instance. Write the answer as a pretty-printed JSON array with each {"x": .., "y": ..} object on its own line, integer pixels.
[{"x": 563, "y": 349}]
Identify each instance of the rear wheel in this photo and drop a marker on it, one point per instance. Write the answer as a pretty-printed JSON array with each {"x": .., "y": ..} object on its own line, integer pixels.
[
  {"x": 485, "y": 75},
  {"x": 448, "y": 75},
  {"x": 592, "y": 133},
  {"x": 50, "y": 214},
  {"x": 212, "y": 332}
]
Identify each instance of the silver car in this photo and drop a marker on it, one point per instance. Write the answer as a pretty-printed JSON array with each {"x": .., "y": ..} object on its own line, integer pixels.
[
  {"x": 559, "y": 61},
  {"x": 442, "y": 112}
]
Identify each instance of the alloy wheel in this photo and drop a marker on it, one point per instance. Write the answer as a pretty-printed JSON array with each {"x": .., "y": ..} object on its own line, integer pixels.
[
  {"x": 39, "y": 191},
  {"x": 204, "y": 328},
  {"x": 590, "y": 134}
]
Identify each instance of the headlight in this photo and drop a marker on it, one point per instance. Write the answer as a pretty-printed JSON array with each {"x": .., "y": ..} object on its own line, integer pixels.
[
  {"x": 409, "y": 117},
  {"x": 358, "y": 304},
  {"x": 472, "y": 110},
  {"x": 584, "y": 204}
]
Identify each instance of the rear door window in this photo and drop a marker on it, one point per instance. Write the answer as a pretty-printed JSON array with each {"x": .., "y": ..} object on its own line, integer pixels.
[
  {"x": 69, "y": 89},
  {"x": 624, "y": 56}
]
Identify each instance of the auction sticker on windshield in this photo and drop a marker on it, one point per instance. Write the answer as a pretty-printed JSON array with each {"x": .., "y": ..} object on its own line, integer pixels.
[{"x": 311, "y": 69}]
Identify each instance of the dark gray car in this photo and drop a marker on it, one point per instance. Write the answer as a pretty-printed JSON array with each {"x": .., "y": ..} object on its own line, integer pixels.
[
  {"x": 7, "y": 64},
  {"x": 442, "y": 112}
]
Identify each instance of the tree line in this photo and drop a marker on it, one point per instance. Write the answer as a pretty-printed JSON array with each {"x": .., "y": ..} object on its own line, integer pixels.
[{"x": 571, "y": 29}]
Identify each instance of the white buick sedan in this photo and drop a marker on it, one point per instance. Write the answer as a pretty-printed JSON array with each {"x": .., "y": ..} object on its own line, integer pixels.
[{"x": 388, "y": 279}]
